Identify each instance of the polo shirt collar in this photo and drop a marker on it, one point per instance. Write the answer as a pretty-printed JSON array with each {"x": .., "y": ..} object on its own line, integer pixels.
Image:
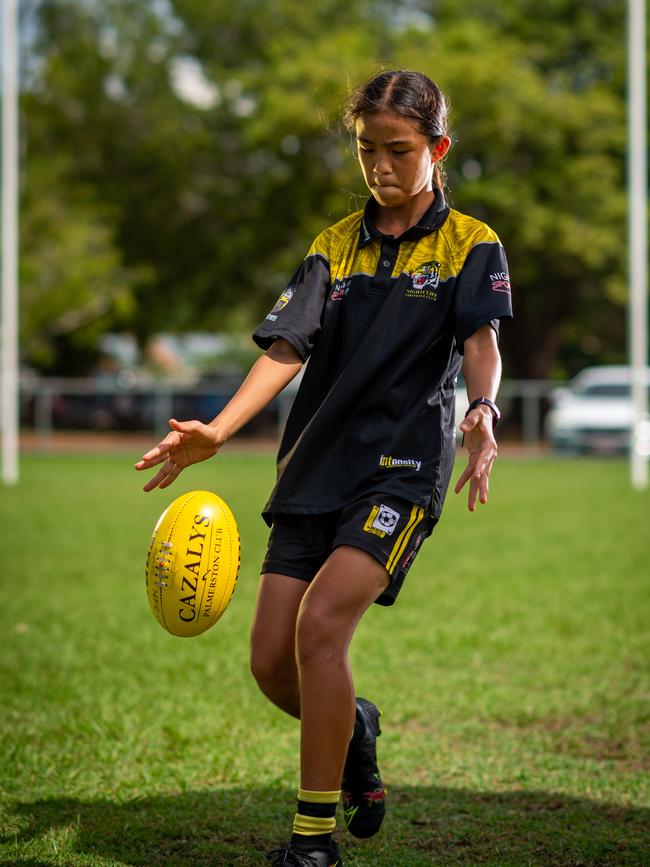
[{"x": 432, "y": 219}]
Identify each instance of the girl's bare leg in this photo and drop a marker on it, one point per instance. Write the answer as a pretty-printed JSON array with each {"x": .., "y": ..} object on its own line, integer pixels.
[
  {"x": 299, "y": 654},
  {"x": 273, "y": 640},
  {"x": 346, "y": 585}
]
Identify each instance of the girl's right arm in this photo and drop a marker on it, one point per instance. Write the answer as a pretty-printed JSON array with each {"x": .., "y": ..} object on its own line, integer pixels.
[{"x": 191, "y": 441}]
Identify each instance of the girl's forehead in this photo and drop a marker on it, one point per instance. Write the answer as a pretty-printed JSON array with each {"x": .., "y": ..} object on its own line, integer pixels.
[{"x": 386, "y": 125}]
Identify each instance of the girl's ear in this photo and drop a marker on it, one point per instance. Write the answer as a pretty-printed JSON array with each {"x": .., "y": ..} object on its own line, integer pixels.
[{"x": 440, "y": 149}]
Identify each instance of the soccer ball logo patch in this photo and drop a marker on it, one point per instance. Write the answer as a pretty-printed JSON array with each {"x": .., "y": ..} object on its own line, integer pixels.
[
  {"x": 386, "y": 519},
  {"x": 381, "y": 521}
]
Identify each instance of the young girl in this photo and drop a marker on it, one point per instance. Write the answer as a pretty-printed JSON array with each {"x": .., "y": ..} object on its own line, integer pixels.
[{"x": 388, "y": 305}]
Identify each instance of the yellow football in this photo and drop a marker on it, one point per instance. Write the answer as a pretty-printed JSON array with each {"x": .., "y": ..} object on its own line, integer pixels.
[{"x": 192, "y": 563}]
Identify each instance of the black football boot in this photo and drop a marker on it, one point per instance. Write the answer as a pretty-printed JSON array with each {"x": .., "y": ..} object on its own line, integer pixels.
[
  {"x": 364, "y": 795},
  {"x": 297, "y": 856}
]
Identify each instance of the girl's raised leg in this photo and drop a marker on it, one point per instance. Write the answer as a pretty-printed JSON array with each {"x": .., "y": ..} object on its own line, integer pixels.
[
  {"x": 347, "y": 584},
  {"x": 273, "y": 640}
]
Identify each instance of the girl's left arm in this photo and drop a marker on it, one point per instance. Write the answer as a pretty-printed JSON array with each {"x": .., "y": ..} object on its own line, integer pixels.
[{"x": 482, "y": 374}]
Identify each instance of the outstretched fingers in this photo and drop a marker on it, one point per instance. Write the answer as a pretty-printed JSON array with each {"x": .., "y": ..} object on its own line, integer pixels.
[
  {"x": 477, "y": 473},
  {"x": 167, "y": 474},
  {"x": 480, "y": 485},
  {"x": 160, "y": 452},
  {"x": 154, "y": 456},
  {"x": 188, "y": 443},
  {"x": 464, "y": 478}
]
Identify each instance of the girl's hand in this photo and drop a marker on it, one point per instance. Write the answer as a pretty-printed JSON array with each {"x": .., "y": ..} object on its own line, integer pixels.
[
  {"x": 187, "y": 443},
  {"x": 478, "y": 428}
]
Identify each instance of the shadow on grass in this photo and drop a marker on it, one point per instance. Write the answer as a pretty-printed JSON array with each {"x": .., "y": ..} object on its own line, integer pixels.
[{"x": 426, "y": 826}]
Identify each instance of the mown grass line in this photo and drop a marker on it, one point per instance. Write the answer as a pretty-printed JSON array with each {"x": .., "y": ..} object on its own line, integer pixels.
[{"x": 512, "y": 673}]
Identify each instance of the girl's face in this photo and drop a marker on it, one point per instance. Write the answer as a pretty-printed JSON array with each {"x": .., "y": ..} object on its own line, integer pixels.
[{"x": 396, "y": 159}]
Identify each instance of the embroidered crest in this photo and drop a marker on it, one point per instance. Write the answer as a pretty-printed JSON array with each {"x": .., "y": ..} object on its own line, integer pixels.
[{"x": 425, "y": 280}]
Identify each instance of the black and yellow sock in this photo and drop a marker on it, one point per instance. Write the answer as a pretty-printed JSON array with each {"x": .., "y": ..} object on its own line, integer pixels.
[{"x": 315, "y": 820}]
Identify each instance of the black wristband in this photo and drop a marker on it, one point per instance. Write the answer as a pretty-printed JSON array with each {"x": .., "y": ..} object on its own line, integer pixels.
[{"x": 496, "y": 415}]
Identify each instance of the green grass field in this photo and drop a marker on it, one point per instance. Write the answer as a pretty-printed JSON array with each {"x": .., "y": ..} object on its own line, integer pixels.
[{"x": 512, "y": 674}]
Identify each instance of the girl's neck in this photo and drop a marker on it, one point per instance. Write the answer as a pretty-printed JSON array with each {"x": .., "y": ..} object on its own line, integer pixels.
[{"x": 396, "y": 221}]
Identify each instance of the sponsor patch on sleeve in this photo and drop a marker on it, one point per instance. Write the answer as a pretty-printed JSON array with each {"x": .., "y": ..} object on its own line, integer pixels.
[{"x": 500, "y": 282}]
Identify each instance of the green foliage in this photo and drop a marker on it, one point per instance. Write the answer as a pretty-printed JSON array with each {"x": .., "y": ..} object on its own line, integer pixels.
[
  {"x": 512, "y": 674},
  {"x": 564, "y": 39},
  {"x": 73, "y": 284},
  {"x": 210, "y": 205}
]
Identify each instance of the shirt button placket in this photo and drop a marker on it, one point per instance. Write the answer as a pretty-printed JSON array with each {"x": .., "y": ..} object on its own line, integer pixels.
[{"x": 387, "y": 258}]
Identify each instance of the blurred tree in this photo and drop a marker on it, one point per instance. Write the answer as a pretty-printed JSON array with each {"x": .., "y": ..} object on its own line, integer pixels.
[
  {"x": 73, "y": 284},
  {"x": 209, "y": 135},
  {"x": 563, "y": 39}
]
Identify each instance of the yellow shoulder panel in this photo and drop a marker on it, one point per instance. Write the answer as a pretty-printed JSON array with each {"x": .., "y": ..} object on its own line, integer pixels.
[
  {"x": 334, "y": 236},
  {"x": 463, "y": 232}
]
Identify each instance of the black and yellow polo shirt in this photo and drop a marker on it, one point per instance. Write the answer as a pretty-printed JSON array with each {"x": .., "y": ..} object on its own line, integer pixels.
[{"x": 382, "y": 321}]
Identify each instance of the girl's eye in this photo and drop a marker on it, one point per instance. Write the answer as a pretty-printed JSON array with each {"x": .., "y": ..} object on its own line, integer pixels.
[
  {"x": 366, "y": 150},
  {"x": 399, "y": 153}
]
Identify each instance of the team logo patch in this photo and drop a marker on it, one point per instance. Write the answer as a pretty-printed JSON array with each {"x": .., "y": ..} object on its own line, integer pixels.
[
  {"x": 284, "y": 299},
  {"x": 381, "y": 521},
  {"x": 500, "y": 282},
  {"x": 425, "y": 281},
  {"x": 340, "y": 289}
]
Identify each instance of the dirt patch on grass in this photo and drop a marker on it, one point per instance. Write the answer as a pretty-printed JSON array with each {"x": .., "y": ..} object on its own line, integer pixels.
[{"x": 591, "y": 737}]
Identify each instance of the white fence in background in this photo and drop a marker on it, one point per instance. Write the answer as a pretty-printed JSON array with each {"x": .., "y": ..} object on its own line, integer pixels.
[{"x": 123, "y": 403}]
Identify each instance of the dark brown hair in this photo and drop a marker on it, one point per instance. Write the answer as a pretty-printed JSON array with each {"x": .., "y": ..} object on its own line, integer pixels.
[{"x": 413, "y": 96}]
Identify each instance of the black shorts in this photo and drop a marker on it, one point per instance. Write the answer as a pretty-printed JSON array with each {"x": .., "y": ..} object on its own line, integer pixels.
[{"x": 389, "y": 528}]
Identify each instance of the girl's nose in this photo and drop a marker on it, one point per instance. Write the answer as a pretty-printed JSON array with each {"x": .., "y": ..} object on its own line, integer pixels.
[{"x": 381, "y": 166}]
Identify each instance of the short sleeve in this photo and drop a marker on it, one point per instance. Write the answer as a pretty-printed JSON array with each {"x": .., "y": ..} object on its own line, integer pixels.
[
  {"x": 482, "y": 293},
  {"x": 297, "y": 313}
]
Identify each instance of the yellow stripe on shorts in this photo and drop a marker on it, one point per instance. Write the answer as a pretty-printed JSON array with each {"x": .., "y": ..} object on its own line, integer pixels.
[{"x": 417, "y": 513}]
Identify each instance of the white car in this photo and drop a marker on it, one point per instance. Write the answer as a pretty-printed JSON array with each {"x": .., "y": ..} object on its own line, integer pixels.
[{"x": 594, "y": 413}]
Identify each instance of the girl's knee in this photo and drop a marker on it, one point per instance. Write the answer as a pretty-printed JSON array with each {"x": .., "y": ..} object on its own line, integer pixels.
[
  {"x": 317, "y": 636},
  {"x": 271, "y": 670}
]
